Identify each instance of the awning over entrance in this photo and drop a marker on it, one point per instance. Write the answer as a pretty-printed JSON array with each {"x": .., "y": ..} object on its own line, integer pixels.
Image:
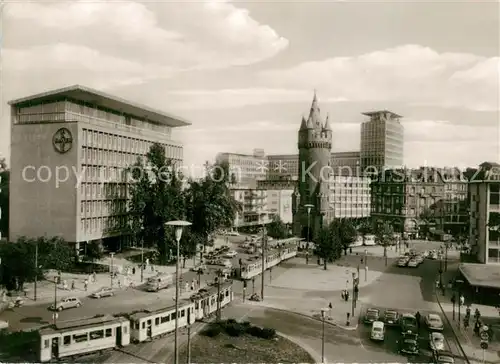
[{"x": 481, "y": 275}]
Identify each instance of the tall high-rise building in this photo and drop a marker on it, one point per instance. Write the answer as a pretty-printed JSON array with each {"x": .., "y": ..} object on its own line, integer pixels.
[
  {"x": 313, "y": 187},
  {"x": 382, "y": 141},
  {"x": 69, "y": 151}
]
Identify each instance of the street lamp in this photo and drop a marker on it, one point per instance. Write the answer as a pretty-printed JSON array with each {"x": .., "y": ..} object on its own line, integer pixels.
[
  {"x": 353, "y": 293},
  {"x": 111, "y": 270},
  {"x": 54, "y": 316},
  {"x": 308, "y": 207},
  {"x": 142, "y": 254},
  {"x": 179, "y": 225},
  {"x": 323, "y": 310},
  {"x": 458, "y": 283},
  {"x": 366, "y": 265}
]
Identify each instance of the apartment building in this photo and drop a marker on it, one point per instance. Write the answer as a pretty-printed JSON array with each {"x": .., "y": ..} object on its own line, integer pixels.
[
  {"x": 92, "y": 136},
  {"x": 382, "y": 141},
  {"x": 253, "y": 207},
  {"x": 246, "y": 169},
  {"x": 409, "y": 199},
  {"x": 279, "y": 203}
]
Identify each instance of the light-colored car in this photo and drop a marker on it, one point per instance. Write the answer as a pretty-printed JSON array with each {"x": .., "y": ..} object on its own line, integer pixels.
[
  {"x": 443, "y": 357},
  {"x": 434, "y": 322},
  {"x": 66, "y": 303},
  {"x": 198, "y": 267},
  {"x": 372, "y": 315},
  {"x": 378, "y": 331},
  {"x": 402, "y": 262},
  {"x": 104, "y": 292},
  {"x": 233, "y": 233},
  {"x": 413, "y": 263},
  {"x": 436, "y": 341},
  {"x": 230, "y": 254}
]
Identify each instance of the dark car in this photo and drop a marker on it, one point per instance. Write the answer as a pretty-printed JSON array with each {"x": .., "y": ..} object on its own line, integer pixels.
[
  {"x": 408, "y": 346},
  {"x": 408, "y": 324},
  {"x": 391, "y": 317},
  {"x": 443, "y": 357},
  {"x": 372, "y": 315}
]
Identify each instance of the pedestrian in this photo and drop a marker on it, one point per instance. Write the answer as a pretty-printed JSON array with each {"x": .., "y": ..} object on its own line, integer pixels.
[
  {"x": 133, "y": 270},
  {"x": 307, "y": 257},
  {"x": 86, "y": 284},
  {"x": 417, "y": 316},
  {"x": 94, "y": 277},
  {"x": 65, "y": 285},
  {"x": 350, "y": 250},
  {"x": 342, "y": 294},
  {"x": 72, "y": 284},
  {"x": 119, "y": 283},
  {"x": 462, "y": 300},
  {"x": 347, "y": 295},
  {"x": 152, "y": 268}
]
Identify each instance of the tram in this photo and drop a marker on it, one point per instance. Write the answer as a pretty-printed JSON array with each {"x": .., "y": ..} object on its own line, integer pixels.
[{"x": 72, "y": 338}]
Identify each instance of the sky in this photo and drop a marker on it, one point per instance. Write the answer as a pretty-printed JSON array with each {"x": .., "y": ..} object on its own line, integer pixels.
[{"x": 244, "y": 73}]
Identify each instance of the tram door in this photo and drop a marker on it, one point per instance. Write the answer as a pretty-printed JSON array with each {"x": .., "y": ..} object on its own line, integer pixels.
[
  {"x": 189, "y": 315},
  {"x": 150, "y": 330},
  {"x": 206, "y": 311},
  {"x": 119, "y": 336},
  {"x": 55, "y": 347}
]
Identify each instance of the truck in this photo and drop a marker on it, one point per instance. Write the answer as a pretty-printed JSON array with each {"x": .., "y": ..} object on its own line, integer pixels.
[{"x": 158, "y": 282}]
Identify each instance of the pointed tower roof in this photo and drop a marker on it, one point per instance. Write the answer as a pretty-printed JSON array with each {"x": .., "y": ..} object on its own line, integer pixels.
[
  {"x": 303, "y": 124},
  {"x": 309, "y": 124},
  {"x": 314, "y": 114},
  {"x": 327, "y": 123}
]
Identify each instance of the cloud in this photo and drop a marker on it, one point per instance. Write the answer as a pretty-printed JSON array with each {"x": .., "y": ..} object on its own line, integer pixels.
[
  {"x": 409, "y": 73},
  {"x": 144, "y": 40},
  {"x": 235, "y": 98}
]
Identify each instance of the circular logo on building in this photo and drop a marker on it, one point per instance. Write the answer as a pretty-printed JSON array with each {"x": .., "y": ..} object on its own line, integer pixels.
[{"x": 62, "y": 140}]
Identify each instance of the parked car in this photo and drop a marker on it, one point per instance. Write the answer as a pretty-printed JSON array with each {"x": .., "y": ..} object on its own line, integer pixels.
[
  {"x": 103, "y": 292},
  {"x": 66, "y": 303},
  {"x": 408, "y": 324},
  {"x": 443, "y": 357},
  {"x": 436, "y": 341},
  {"x": 372, "y": 315},
  {"x": 434, "y": 322},
  {"x": 408, "y": 346},
  {"x": 378, "y": 331},
  {"x": 233, "y": 233},
  {"x": 403, "y": 261},
  {"x": 391, "y": 317},
  {"x": 230, "y": 254},
  {"x": 203, "y": 267},
  {"x": 413, "y": 263}
]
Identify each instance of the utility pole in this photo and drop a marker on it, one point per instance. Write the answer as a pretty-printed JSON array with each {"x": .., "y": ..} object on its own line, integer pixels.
[
  {"x": 36, "y": 270},
  {"x": 142, "y": 254},
  {"x": 111, "y": 272},
  {"x": 219, "y": 275},
  {"x": 264, "y": 255},
  {"x": 189, "y": 344},
  {"x": 353, "y": 293},
  {"x": 55, "y": 300}
]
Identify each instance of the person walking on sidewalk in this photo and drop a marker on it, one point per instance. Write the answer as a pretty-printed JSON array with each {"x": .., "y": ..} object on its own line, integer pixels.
[
  {"x": 72, "y": 284},
  {"x": 94, "y": 277},
  {"x": 462, "y": 300},
  {"x": 86, "y": 284},
  {"x": 418, "y": 317}
]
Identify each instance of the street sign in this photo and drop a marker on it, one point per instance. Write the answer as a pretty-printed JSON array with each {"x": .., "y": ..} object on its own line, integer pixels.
[
  {"x": 484, "y": 345},
  {"x": 484, "y": 336}
]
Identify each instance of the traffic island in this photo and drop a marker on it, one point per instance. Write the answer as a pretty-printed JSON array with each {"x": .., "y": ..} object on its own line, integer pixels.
[{"x": 230, "y": 341}]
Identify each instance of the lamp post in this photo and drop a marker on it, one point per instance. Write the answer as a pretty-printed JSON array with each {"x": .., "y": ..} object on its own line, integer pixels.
[
  {"x": 446, "y": 256},
  {"x": 366, "y": 265},
  {"x": 308, "y": 207},
  {"x": 264, "y": 255},
  {"x": 353, "y": 293},
  {"x": 323, "y": 310},
  {"x": 458, "y": 283},
  {"x": 36, "y": 271},
  {"x": 142, "y": 254},
  {"x": 189, "y": 344},
  {"x": 111, "y": 270},
  {"x": 179, "y": 225},
  {"x": 54, "y": 316}
]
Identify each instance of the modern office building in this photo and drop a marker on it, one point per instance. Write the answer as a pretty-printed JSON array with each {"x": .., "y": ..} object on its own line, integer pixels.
[
  {"x": 246, "y": 169},
  {"x": 382, "y": 139},
  {"x": 69, "y": 150},
  {"x": 484, "y": 190},
  {"x": 350, "y": 196},
  {"x": 253, "y": 207},
  {"x": 279, "y": 203}
]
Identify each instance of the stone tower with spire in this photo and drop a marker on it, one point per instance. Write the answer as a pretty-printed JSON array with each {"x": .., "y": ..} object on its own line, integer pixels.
[{"x": 315, "y": 144}]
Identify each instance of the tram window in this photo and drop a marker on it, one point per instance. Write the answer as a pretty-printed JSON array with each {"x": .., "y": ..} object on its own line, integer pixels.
[
  {"x": 95, "y": 335},
  {"x": 227, "y": 293},
  {"x": 183, "y": 313},
  {"x": 143, "y": 325},
  {"x": 80, "y": 338},
  {"x": 67, "y": 340},
  {"x": 164, "y": 319},
  {"x": 109, "y": 332},
  {"x": 172, "y": 316},
  {"x": 149, "y": 322},
  {"x": 137, "y": 325},
  {"x": 46, "y": 344},
  {"x": 157, "y": 321},
  {"x": 125, "y": 329},
  {"x": 196, "y": 305}
]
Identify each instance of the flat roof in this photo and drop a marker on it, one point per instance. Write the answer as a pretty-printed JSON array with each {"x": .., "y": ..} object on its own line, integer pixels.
[
  {"x": 481, "y": 275},
  {"x": 378, "y": 112},
  {"x": 99, "y": 98},
  {"x": 81, "y": 323}
]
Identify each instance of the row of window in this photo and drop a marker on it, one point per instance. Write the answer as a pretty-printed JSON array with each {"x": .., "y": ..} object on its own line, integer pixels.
[
  {"x": 100, "y": 224},
  {"x": 103, "y": 208},
  {"x": 104, "y": 174},
  {"x": 92, "y": 191},
  {"x": 100, "y": 157},
  {"x": 161, "y": 320}
]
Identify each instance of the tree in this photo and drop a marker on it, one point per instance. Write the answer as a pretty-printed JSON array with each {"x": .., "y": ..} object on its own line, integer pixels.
[
  {"x": 95, "y": 250},
  {"x": 277, "y": 229},
  {"x": 4, "y": 199},
  {"x": 18, "y": 259},
  {"x": 494, "y": 221},
  {"x": 328, "y": 245},
  {"x": 344, "y": 231},
  {"x": 156, "y": 197},
  {"x": 384, "y": 236},
  {"x": 209, "y": 203},
  {"x": 189, "y": 245}
]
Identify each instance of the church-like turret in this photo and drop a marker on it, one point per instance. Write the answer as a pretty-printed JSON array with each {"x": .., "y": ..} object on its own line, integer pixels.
[{"x": 314, "y": 144}]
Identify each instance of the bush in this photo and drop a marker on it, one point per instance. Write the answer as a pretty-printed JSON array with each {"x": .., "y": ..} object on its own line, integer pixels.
[
  {"x": 235, "y": 329},
  {"x": 212, "y": 331},
  {"x": 268, "y": 333},
  {"x": 254, "y": 331}
]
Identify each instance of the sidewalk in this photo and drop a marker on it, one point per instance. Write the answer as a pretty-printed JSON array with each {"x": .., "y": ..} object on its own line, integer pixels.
[
  {"x": 470, "y": 343},
  {"x": 45, "y": 288}
]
